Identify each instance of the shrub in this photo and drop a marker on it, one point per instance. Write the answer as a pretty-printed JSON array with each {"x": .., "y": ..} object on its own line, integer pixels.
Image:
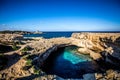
[
  {"x": 29, "y": 62},
  {"x": 27, "y": 48},
  {"x": 14, "y": 47},
  {"x": 36, "y": 70}
]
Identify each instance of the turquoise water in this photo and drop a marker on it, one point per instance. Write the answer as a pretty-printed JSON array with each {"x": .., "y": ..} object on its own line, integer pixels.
[
  {"x": 68, "y": 63},
  {"x": 74, "y": 57}
]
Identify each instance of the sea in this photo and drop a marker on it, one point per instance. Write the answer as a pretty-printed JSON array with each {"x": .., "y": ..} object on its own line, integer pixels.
[
  {"x": 54, "y": 34},
  {"x": 48, "y": 35}
]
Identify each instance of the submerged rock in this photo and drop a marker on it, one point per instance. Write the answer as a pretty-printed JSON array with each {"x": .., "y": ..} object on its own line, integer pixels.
[{"x": 89, "y": 77}]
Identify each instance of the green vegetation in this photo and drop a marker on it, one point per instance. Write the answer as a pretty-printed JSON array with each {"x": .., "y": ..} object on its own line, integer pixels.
[
  {"x": 25, "y": 56},
  {"x": 29, "y": 62},
  {"x": 24, "y": 50},
  {"x": 36, "y": 71},
  {"x": 14, "y": 47},
  {"x": 29, "y": 58},
  {"x": 27, "y": 48}
]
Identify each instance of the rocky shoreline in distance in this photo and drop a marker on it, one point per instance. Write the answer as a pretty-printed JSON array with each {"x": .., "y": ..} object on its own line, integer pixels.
[{"x": 24, "y": 56}]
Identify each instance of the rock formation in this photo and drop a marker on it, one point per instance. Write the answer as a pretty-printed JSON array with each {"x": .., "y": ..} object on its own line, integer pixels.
[
  {"x": 98, "y": 42},
  {"x": 10, "y": 37},
  {"x": 100, "y": 46}
]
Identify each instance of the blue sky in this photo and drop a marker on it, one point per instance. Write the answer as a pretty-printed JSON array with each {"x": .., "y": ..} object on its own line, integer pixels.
[{"x": 60, "y": 15}]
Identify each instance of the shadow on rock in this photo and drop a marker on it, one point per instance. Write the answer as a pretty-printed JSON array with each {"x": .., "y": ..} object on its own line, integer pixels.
[
  {"x": 111, "y": 55},
  {"x": 31, "y": 77},
  {"x": 7, "y": 61},
  {"x": 5, "y": 48}
]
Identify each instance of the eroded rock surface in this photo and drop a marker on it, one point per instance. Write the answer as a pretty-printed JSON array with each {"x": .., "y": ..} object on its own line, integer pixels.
[
  {"x": 105, "y": 46},
  {"x": 109, "y": 43}
]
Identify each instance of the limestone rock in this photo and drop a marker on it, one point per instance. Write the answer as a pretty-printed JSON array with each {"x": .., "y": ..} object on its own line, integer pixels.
[
  {"x": 98, "y": 76},
  {"x": 109, "y": 50},
  {"x": 95, "y": 56},
  {"x": 84, "y": 50},
  {"x": 82, "y": 43},
  {"x": 89, "y": 43}
]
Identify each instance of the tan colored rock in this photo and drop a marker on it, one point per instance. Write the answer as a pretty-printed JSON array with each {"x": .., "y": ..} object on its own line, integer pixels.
[
  {"x": 110, "y": 75},
  {"x": 84, "y": 50},
  {"x": 7, "y": 38},
  {"x": 0, "y": 76},
  {"x": 90, "y": 43},
  {"x": 97, "y": 37},
  {"x": 15, "y": 70},
  {"x": 109, "y": 50},
  {"x": 98, "y": 76},
  {"x": 95, "y": 56},
  {"x": 82, "y": 43}
]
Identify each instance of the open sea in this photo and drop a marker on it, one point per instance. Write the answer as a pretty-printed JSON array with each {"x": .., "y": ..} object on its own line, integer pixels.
[
  {"x": 50, "y": 34},
  {"x": 62, "y": 34}
]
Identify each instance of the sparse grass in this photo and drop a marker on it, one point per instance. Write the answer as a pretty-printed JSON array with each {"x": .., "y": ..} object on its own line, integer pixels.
[
  {"x": 36, "y": 71},
  {"x": 29, "y": 59},
  {"x": 15, "y": 47},
  {"x": 25, "y": 49},
  {"x": 29, "y": 62},
  {"x": 25, "y": 56}
]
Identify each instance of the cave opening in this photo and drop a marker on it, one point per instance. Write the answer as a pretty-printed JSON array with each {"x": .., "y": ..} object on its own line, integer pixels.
[{"x": 67, "y": 62}]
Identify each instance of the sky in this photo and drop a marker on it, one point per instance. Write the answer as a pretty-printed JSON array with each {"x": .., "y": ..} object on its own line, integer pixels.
[{"x": 60, "y": 15}]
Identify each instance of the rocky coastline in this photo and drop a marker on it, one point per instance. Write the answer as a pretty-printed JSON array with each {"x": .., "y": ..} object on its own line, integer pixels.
[{"x": 25, "y": 56}]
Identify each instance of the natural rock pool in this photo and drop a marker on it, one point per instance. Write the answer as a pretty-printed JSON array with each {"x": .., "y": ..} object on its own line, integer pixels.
[{"x": 69, "y": 63}]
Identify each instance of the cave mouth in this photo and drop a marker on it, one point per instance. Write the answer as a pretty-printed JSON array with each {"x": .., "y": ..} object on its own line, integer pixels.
[{"x": 67, "y": 62}]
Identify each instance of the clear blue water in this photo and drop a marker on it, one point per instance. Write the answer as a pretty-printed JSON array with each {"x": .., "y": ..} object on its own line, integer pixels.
[
  {"x": 68, "y": 63},
  {"x": 60, "y": 34},
  {"x": 73, "y": 56},
  {"x": 50, "y": 34}
]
